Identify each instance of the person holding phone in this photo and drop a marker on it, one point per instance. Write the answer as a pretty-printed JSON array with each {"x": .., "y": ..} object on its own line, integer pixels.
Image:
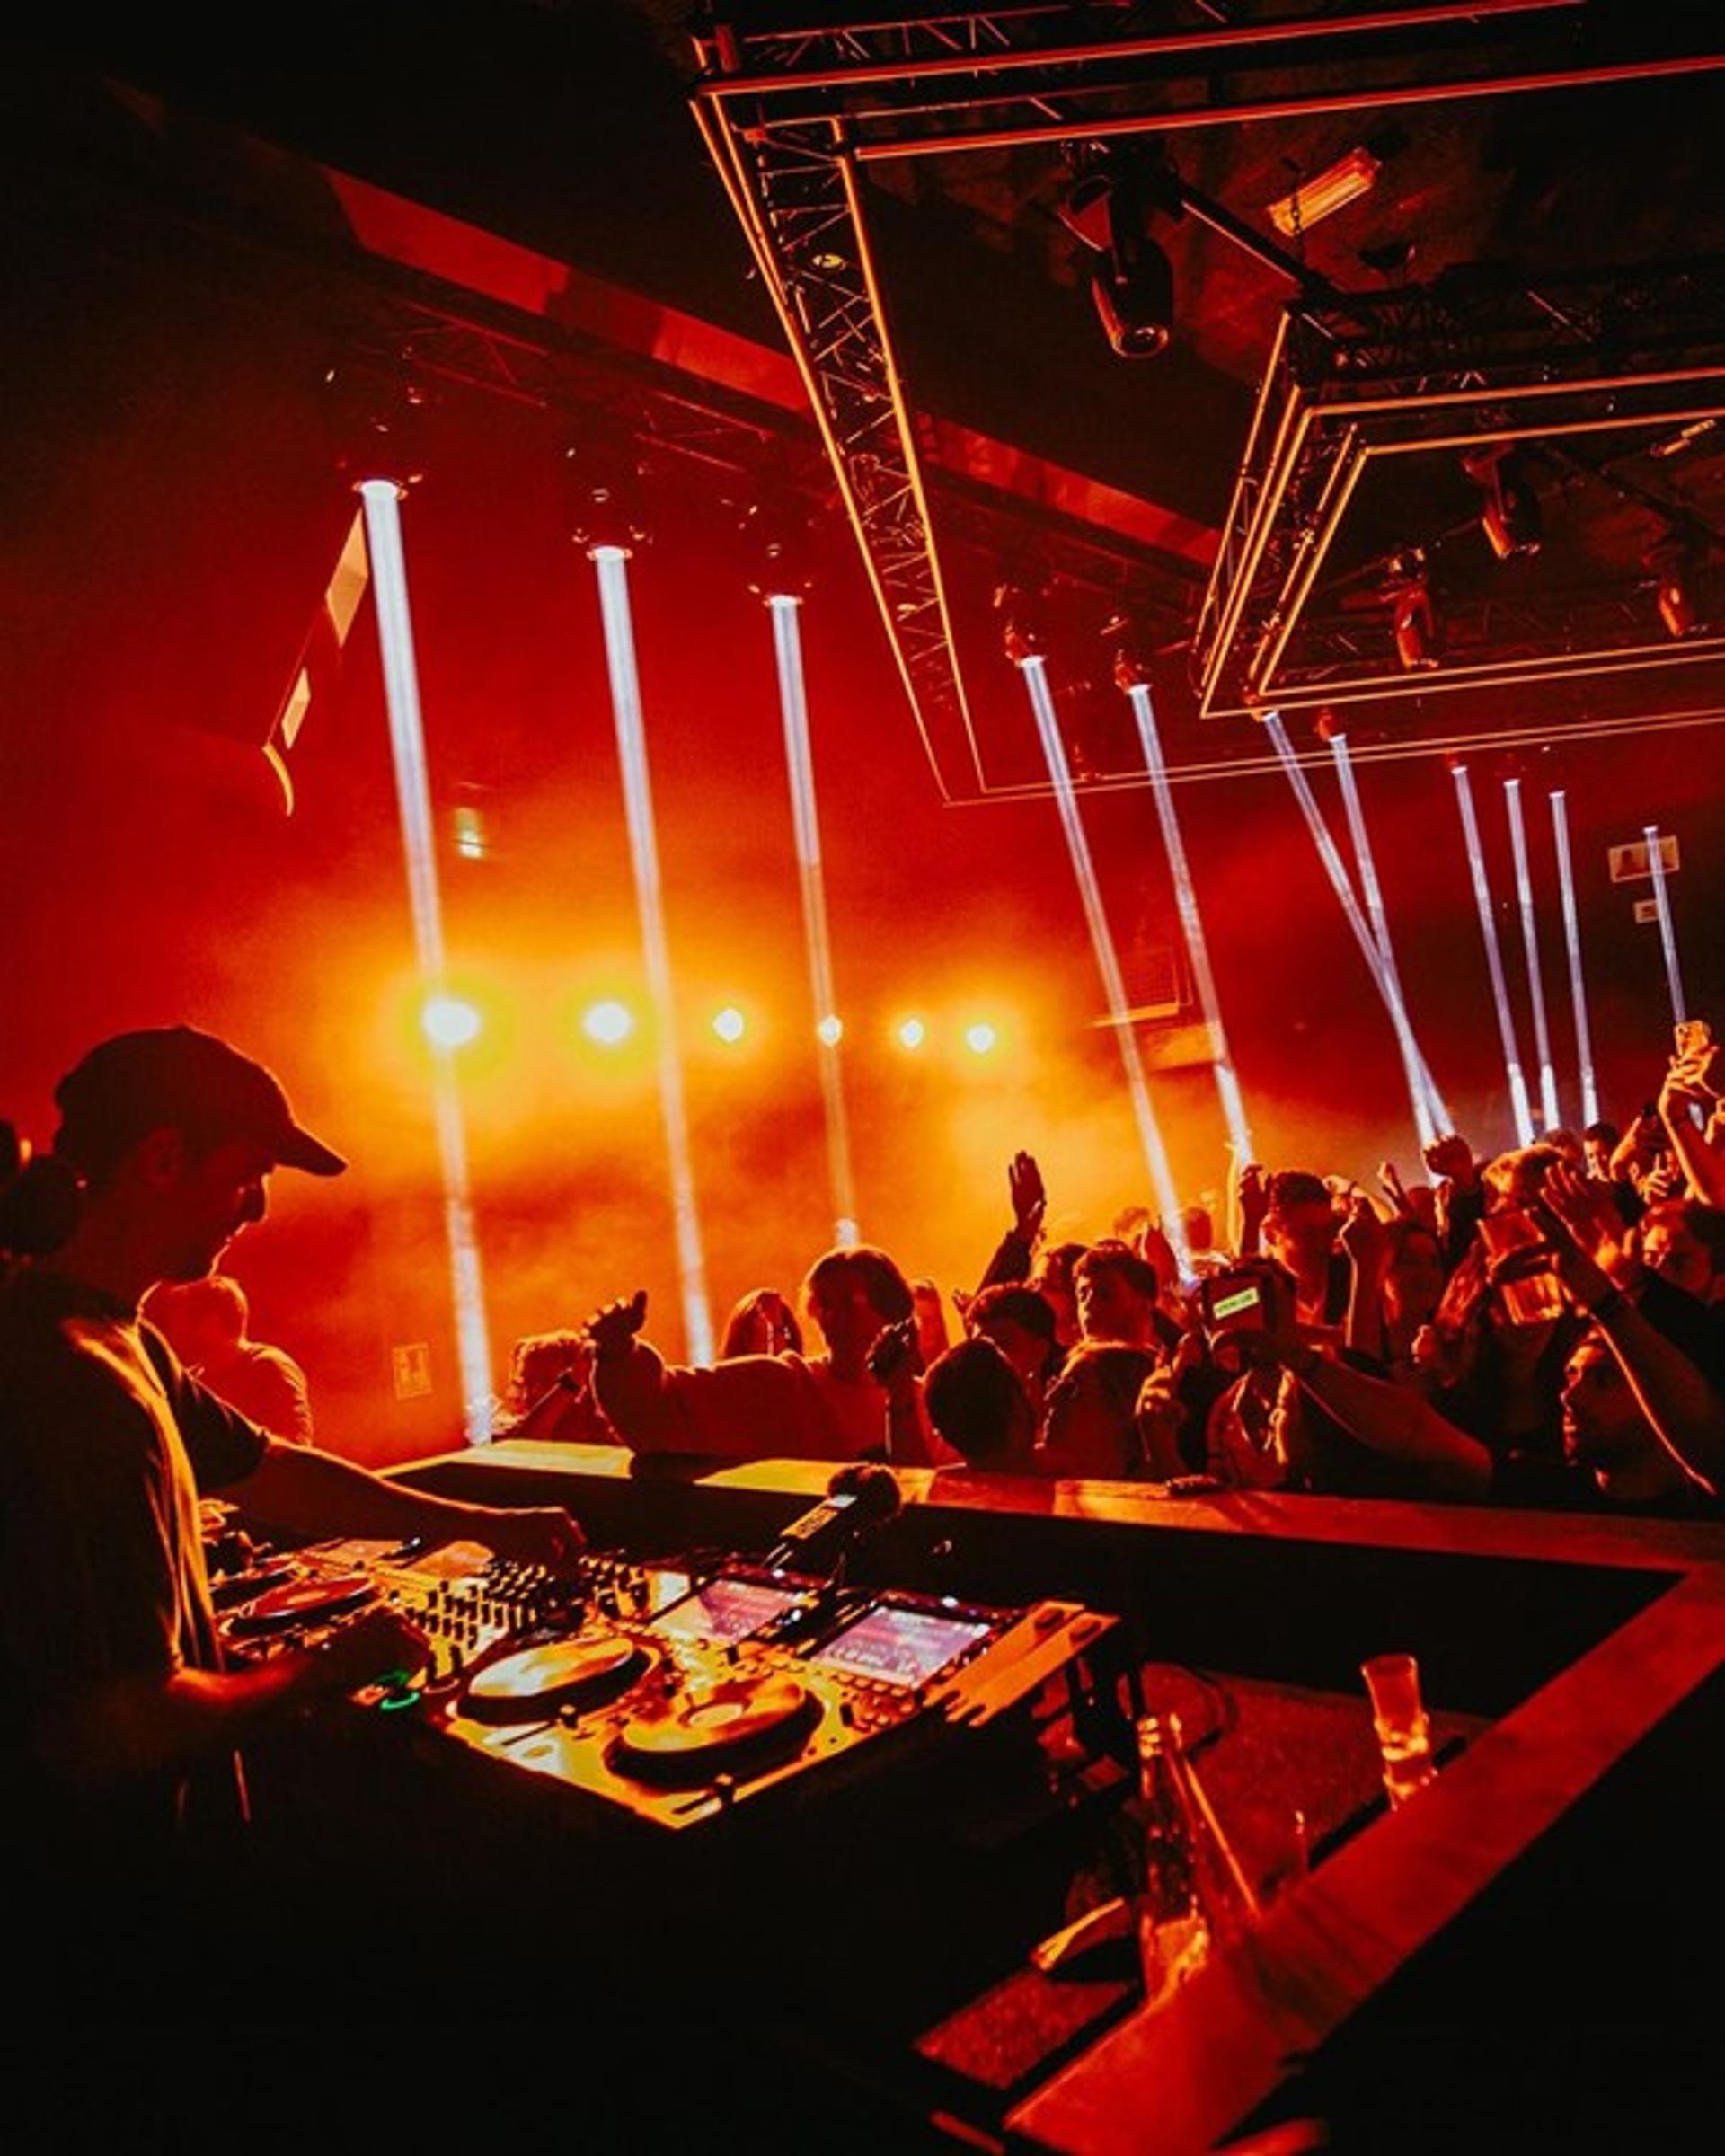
[
  {"x": 1692, "y": 1113},
  {"x": 1308, "y": 1415}
]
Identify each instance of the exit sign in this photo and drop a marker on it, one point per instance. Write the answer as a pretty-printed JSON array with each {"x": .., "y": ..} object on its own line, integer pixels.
[{"x": 411, "y": 1366}]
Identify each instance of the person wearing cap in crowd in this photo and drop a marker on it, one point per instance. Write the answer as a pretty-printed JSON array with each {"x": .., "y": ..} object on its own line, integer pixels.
[{"x": 122, "y": 1717}]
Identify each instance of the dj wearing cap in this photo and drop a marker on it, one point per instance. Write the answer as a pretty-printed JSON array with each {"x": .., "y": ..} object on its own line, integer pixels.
[{"x": 121, "y": 1721}]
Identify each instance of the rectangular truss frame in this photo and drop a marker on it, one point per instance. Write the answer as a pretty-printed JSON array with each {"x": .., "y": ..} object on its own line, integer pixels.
[
  {"x": 1432, "y": 371},
  {"x": 790, "y": 111}
]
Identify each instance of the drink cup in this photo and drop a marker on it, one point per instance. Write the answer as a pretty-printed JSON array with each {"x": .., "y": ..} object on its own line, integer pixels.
[{"x": 1399, "y": 1719}]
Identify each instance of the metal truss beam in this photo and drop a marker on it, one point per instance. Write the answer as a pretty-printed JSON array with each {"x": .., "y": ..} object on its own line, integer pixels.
[
  {"x": 1617, "y": 360},
  {"x": 791, "y": 111}
]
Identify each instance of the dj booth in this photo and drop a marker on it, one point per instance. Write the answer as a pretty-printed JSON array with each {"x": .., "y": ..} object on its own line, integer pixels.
[{"x": 777, "y": 1817}]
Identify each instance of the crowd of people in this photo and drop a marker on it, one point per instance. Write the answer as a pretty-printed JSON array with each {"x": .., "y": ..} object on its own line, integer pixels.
[{"x": 1541, "y": 1327}]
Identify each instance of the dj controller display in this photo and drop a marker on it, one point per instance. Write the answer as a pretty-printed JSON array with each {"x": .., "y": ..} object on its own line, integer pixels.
[{"x": 674, "y": 1692}]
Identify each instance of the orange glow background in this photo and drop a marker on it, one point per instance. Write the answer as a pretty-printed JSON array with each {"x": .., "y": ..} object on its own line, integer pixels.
[{"x": 175, "y": 520}]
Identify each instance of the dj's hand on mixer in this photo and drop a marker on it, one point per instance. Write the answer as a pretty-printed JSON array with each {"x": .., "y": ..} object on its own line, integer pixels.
[
  {"x": 378, "y": 1647},
  {"x": 534, "y": 1534}
]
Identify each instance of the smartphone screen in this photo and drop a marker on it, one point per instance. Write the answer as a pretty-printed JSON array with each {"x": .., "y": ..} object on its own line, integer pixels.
[{"x": 1234, "y": 1305}]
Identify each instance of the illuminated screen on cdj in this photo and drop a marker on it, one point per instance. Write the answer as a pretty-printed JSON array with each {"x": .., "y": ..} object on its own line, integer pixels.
[
  {"x": 728, "y": 1609},
  {"x": 898, "y": 1646}
]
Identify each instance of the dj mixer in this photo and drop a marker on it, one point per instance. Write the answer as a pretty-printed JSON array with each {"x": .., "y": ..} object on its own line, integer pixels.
[{"x": 676, "y": 1693}]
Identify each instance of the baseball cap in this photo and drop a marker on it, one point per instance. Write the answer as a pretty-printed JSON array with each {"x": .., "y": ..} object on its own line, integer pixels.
[{"x": 177, "y": 1077}]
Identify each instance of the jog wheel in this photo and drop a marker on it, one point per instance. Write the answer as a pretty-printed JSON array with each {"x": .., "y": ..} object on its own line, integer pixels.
[
  {"x": 227, "y": 1590},
  {"x": 534, "y": 1681},
  {"x": 717, "y": 1728},
  {"x": 304, "y": 1601}
]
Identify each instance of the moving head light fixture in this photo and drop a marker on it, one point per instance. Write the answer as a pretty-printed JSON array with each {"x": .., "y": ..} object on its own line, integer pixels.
[
  {"x": 1511, "y": 518},
  {"x": 1109, "y": 208}
]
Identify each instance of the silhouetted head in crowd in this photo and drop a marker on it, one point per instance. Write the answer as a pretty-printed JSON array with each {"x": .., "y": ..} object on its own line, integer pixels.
[
  {"x": 1052, "y": 1277},
  {"x": 205, "y": 1320},
  {"x": 977, "y": 1402},
  {"x": 851, "y": 1294},
  {"x": 1683, "y": 1242},
  {"x": 1020, "y": 1321},
  {"x": 1300, "y": 1223},
  {"x": 1090, "y": 1421},
  {"x": 761, "y": 1322},
  {"x": 1599, "y": 1141},
  {"x": 1414, "y": 1275},
  {"x": 1606, "y": 1431},
  {"x": 1514, "y": 1179},
  {"x": 1118, "y": 1294}
]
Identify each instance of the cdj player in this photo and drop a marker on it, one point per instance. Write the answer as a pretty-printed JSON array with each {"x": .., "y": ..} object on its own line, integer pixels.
[{"x": 674, "y": 1694}]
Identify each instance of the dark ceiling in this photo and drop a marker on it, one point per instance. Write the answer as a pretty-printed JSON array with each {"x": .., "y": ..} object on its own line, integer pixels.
[{"x": 1099, "y": 483}]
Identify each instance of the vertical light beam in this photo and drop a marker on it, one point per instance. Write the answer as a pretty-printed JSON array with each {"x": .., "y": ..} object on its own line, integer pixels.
[
  {"x": 381, "y": 501},
  {"x": 611, "y": 567},
  {"x": 1412, "y": 1064},
  {"x": 1572, "y": 944},
  {"x": 1518, "y": 1102},
  {"x": 1197, "y": 951},
  {"x": 1530, "y": 951},
  {"x": 1667, "y": 929},
  {"x": 793, "y": 706},
  {"x": 1365, "y": 861},
  {"x": 1036, "y": 682}
]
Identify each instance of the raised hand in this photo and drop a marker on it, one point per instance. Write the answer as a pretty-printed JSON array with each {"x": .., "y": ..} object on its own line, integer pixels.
[
  {"x": 1252, "y": 1192},
  {"x": 1589, "y": 1213},
  {"x": 611, "y": 1329},
  {"x": 1030, "y": 1199},
  {"x": 1389, "y": 1182},
  {"x": 1451, "y": 1158}
]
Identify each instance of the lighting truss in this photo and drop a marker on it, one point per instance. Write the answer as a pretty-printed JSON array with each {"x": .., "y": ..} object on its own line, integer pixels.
[
  {"x": 1620, "y": 360},
  {"x": 791, "y": 111}
]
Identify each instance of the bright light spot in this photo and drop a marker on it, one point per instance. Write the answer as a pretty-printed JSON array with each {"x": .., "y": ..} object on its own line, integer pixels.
[
  {"x": 831, "y": 1030},
  {"x": 730, "y": 1023},
  {"x": 449, "y": 1023},
  {"x": 471, "y": 842},
  {"x": 913, "y": 1033},
  {"x": 980, "y": 1038},
  {"x": 608, "y": 1024}
]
